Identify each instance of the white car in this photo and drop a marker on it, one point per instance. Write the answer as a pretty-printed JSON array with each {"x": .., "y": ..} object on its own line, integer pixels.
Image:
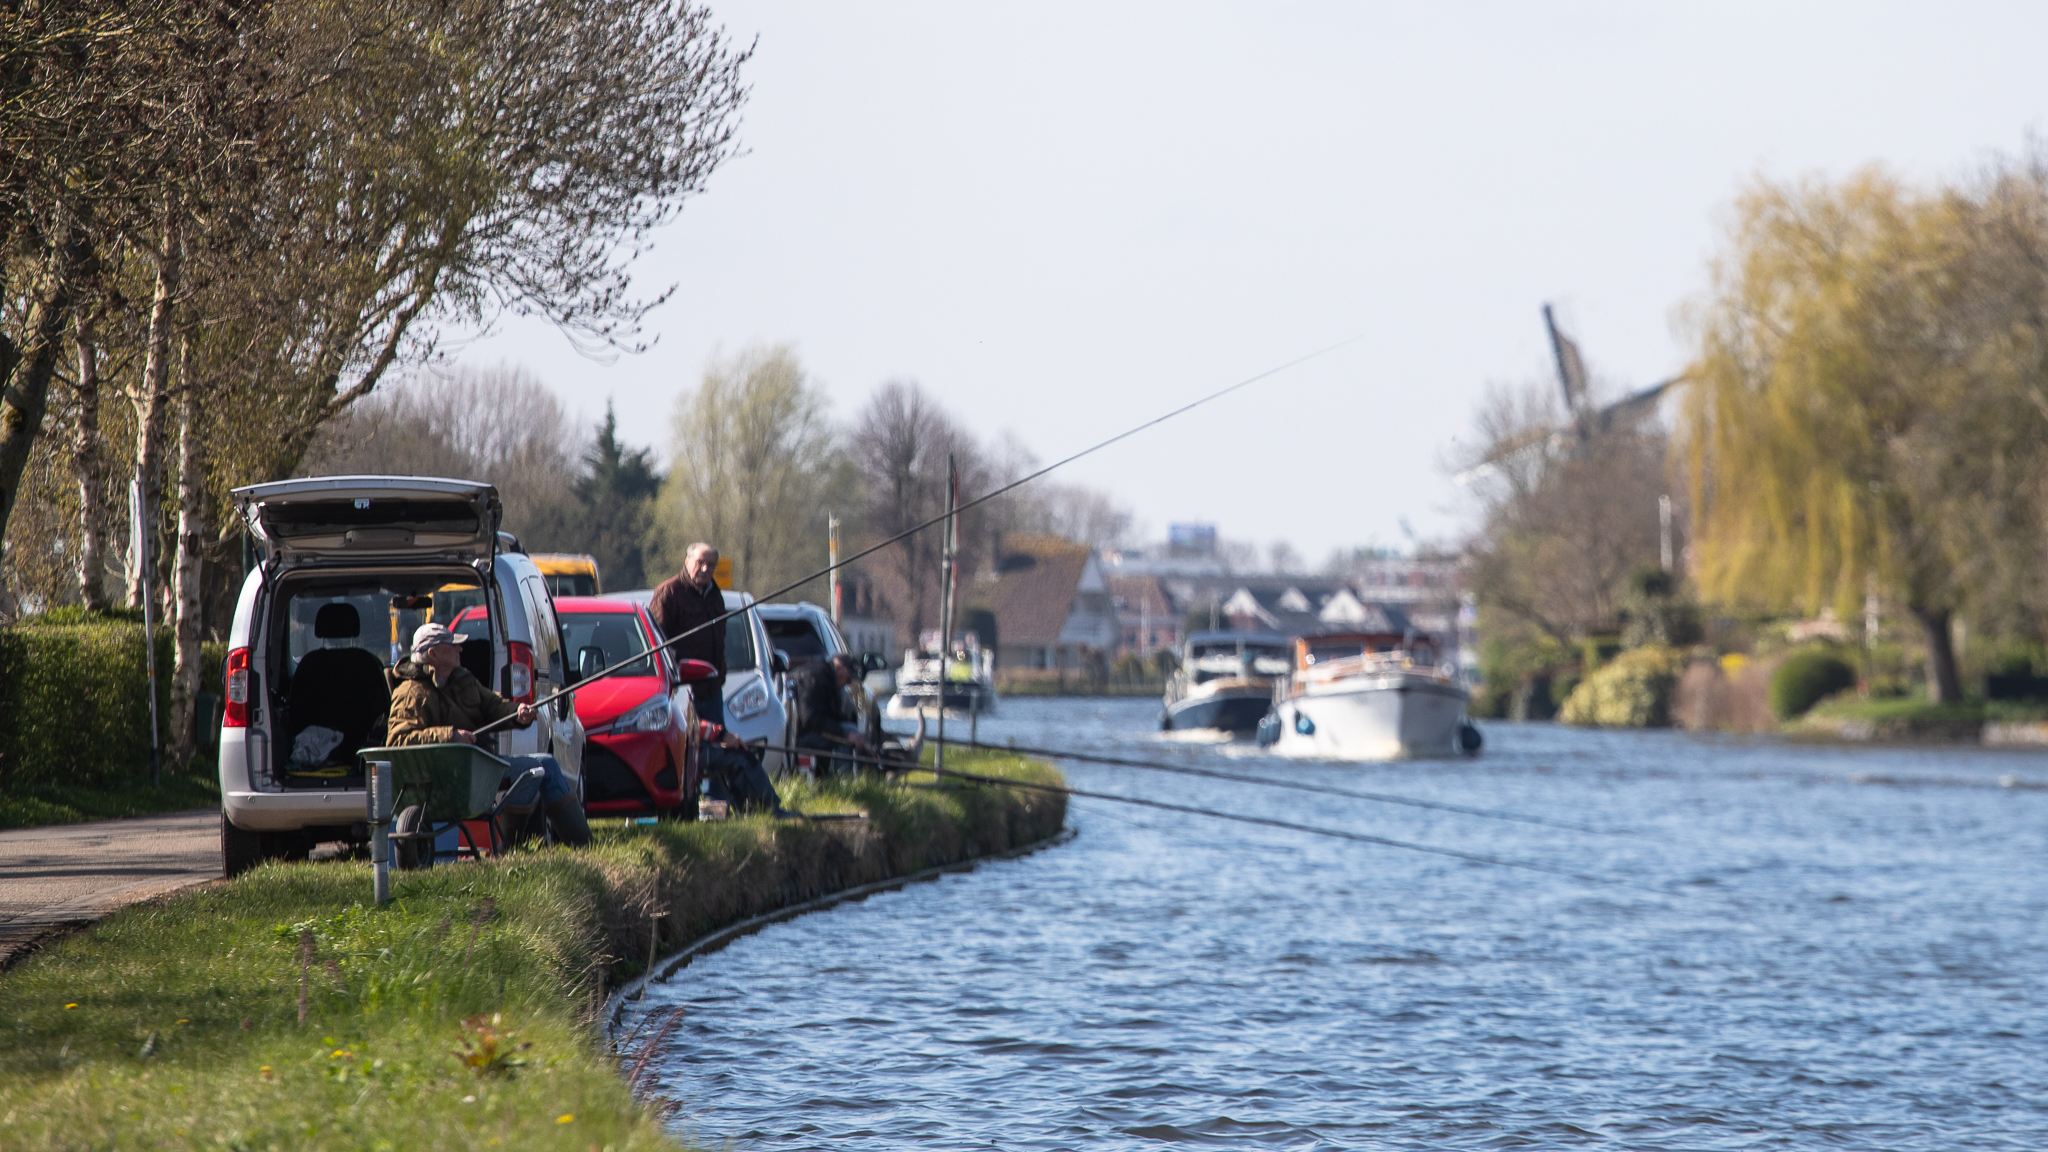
[
  {"x": 804, "y": 632},
  {"x": 757, "y": 704},
  {"x": 349, "y": 567}
]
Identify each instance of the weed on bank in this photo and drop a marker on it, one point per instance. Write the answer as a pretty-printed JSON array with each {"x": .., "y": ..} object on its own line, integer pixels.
[{"x": 279, "y": 1010}]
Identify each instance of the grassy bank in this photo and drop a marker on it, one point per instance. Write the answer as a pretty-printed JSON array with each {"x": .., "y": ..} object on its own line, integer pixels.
[
  {"x": 279, "y": 1011},
  {"x": 1848, "y": 717}
]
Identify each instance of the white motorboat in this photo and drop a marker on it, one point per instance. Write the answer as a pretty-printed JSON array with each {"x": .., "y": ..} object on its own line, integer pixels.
[
  {"x": 1225, "y": 681},
  {"x": 963, "y": 683},
  {"x": 1356, "y": 696}
]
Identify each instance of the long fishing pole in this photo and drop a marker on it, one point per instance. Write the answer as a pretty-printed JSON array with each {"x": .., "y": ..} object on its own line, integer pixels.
[
  {"x": 1264, "y": 821},
  {"x": 940, "y": 518},
  {"x": 1291, "y": 785}
]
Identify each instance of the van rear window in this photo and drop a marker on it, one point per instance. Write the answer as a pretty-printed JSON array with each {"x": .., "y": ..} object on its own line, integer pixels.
[{"x": 333, "y": 517}]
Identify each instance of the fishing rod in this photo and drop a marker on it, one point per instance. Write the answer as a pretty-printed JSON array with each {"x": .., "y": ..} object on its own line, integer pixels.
[
  {"x": 1264, "y": 821},
  {"x": 1293, "y": 785},
  {"x": 941, "y": 517}
]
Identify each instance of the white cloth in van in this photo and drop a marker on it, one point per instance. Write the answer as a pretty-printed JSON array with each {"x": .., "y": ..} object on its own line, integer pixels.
[{"x": 313, "y": 745}]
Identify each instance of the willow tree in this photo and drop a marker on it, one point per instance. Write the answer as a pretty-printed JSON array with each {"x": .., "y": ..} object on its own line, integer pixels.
[
  {"x": 1858, "y": 416},
  {"x": 755, "y": 464}
]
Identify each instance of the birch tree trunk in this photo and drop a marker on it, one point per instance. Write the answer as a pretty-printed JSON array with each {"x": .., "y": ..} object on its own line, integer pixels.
[
  {"x": 150, "y": 401},
  {"x": 185, "y": 573},
  {"x": 26, "y": 369},
  {"x": 86, "y": 467}
]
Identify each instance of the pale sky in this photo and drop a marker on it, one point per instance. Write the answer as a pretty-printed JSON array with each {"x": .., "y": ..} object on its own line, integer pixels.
[{"x": 1064, "y": 219}]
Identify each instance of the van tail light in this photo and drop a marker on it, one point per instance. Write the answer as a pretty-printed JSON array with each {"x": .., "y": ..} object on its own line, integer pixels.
[
  {"x": 519, "y": 672},
  {"x": 235, "y": 714}
]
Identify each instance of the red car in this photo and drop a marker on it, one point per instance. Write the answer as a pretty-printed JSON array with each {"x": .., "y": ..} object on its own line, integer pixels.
[{"x": 640, "y": 754}]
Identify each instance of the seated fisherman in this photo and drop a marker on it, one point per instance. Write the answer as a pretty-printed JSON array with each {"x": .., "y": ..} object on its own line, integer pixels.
[
  {"x": 734, "y": 774},
  {"x": 438, "y": 701},
  {"x": 823, "y": 721}
]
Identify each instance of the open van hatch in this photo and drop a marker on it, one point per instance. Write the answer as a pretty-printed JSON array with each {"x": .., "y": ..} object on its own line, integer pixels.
[{"x": 358, "y": 518}]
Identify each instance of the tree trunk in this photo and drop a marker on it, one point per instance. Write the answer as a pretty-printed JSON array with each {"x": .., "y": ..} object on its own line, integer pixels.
[
  {"x": 85, "y": 467},
  {"x": 26, "y": 370},
  {"x": 185, "y": 572},
  {"x": 150, "y": 402},
  {"x": 1944, "y": 686}
]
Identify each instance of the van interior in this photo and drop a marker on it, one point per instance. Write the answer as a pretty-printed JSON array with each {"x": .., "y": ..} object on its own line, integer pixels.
[{"x": 334, "y": 640}]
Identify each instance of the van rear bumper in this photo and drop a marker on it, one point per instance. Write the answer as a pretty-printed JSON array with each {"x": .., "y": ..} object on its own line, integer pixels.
[{"x": 290, "y": 811}]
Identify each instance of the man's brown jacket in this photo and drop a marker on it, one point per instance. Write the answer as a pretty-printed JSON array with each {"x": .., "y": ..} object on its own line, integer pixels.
[
  {"x": 677, "y": 607},
  {"x": 422, "y": 713}
]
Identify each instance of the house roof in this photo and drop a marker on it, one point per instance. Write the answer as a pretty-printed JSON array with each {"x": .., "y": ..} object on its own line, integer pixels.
[
  {"x": 1290, "y": 609},
  {"x": 1036, "y": 579}
]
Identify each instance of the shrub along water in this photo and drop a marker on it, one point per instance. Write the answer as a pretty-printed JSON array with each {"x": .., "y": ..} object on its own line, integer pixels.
[
  {"x": 75, "y": 742},
  {"x": 1632, "y": 690},
  {"x": 276, "y": 1010},
  {"x": 1807, "y": 677}
]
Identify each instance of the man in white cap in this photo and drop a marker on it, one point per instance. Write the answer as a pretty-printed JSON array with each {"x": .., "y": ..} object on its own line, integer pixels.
[{"x": 438, "y": 701}]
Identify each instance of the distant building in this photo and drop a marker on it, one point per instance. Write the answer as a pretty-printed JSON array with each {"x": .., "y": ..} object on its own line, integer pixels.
[
  {"x": 1148, "y": 617},
  {"x": 1190, "y": 541},
  {"x": 1052, "y": 605}
]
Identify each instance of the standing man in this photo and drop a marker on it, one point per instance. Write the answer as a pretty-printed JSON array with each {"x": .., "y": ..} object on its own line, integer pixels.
[{"x": 687, "y": 600}]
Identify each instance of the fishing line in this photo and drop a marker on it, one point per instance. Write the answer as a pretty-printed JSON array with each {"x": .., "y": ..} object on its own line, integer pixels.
[
  {"x": 1292, "y": 785},
  {"x": 1264, "y": 821},
  {"x": 942, "y": 517}
]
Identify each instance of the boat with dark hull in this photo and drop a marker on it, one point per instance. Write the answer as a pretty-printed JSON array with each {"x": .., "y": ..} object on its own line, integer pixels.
[
  {"x": 963, "y": 683},
  {"x": 1225, "y": 681}
]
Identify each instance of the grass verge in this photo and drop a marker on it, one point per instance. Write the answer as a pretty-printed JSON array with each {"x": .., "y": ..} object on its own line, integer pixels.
[
  {"x": 279, "y": 1011},
  {"x": 53, "y": 802}
]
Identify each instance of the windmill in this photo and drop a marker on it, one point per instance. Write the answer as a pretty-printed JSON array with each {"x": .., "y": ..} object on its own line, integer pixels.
[{"x": 1588, "y": 421}]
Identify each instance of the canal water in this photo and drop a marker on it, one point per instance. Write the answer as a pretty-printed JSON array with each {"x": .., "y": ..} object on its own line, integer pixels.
[{"x": 1813, "y": 947}]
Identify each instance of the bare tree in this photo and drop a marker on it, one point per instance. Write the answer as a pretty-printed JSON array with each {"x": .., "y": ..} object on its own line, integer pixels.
[
  {"x": 1564, "y": 522},
  {"x": 500, "y": 425},
  {"x": 901, "y": 444}
]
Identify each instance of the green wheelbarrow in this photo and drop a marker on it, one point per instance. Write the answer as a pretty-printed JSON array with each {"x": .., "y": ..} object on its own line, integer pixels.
[{"x": 441, "y": 786}]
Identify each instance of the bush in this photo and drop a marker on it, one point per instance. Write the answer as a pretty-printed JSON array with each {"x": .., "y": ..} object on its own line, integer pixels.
[
  {"x": 75, "y": 698},
  {"x": 1633, "y": 690},
  {"x": 1807, "y": 677}
]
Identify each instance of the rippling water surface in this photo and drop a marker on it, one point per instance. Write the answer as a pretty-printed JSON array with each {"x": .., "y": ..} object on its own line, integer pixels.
[{"x": 1825, "y": 948}]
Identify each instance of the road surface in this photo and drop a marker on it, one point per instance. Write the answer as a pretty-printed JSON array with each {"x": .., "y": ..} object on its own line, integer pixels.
[{"x": 65, "y": 875}]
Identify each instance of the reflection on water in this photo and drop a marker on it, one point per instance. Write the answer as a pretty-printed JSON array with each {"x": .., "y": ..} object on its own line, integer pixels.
[{"x": 1844, "y": 948}]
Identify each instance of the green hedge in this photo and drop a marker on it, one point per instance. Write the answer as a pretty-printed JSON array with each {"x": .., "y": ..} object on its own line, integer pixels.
[
  {"x": 1807, "y": 677},
  {"x": 74, "y": 694}
]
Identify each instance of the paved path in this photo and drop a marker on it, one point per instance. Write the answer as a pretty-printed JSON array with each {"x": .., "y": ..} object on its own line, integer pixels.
[{"x": 59, "y": 877}]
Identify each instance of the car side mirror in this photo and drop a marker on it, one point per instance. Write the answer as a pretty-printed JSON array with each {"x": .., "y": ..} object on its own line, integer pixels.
[
  {"x": 589, "y": 662},
  {"x": 873, "y": 662},
  {"x": 780, "y": 663},
  {"x": 688, "y": 671}
]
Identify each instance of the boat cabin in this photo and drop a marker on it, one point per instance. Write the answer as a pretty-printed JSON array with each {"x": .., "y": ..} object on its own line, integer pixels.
[
  {"x": 1235, "y": 655},
  {"x": 1315, "y": 652}
]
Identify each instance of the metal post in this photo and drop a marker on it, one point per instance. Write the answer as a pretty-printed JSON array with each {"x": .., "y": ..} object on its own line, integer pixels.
[
  {"x": 380, "y": 829},
  {"x": 1664, "y": 531},
  {"x": 138, "y": 551},
  {"x": 832, "y": 557},
  {"x": 952, "y": 558}
]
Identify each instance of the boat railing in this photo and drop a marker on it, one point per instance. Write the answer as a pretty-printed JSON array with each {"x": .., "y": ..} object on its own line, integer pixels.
[{"x": 1365, "y": 664}]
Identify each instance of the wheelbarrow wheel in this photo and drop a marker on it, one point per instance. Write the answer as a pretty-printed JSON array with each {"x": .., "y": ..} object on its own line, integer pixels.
[{"x": 412, "y": 855}]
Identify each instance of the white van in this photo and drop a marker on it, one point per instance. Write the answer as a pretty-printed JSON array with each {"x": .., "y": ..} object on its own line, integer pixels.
[{"x": 348, "y": 567}]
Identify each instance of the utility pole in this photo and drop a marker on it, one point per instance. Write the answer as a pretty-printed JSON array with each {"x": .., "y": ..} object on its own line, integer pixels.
[
  {"x": 952, "y": 558},
  {"x": 1664, "y": 531},
  {"x": 832, "y": 557}
]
